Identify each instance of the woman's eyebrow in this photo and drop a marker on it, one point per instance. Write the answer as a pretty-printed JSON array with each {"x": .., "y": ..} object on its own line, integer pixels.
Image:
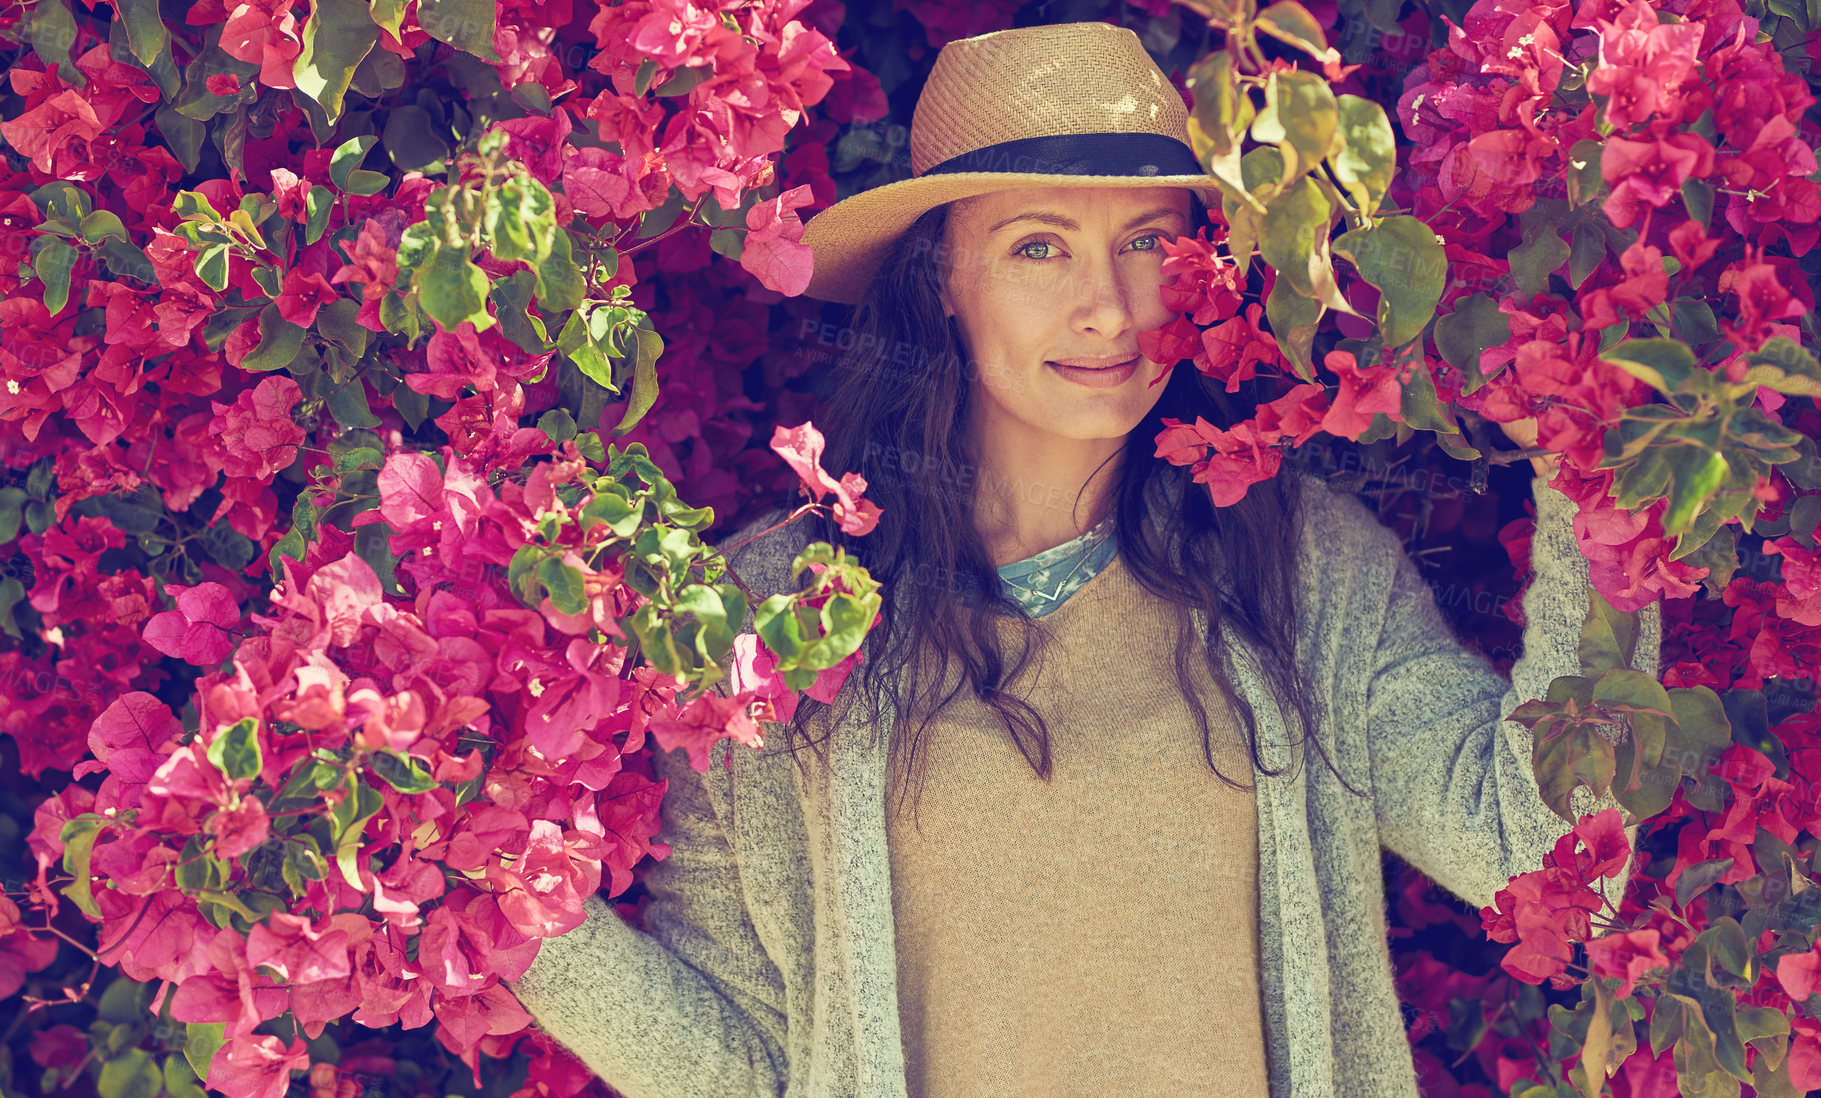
[{"x": 1061, "y": 222}]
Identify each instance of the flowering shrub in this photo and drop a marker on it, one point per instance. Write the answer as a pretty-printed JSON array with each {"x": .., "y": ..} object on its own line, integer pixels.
[{"x": 375, "y": 372}]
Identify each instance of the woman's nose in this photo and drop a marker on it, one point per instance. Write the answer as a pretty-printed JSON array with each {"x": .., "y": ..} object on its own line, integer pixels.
[{"x": 1102, "y": 300}]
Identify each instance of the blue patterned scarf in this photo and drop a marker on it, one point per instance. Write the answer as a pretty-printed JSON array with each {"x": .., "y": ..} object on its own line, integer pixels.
[{"x": 1042, "y": 582}]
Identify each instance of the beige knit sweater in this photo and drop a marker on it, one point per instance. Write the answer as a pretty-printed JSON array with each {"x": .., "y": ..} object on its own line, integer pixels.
[{"x": 1026, "y": 911}]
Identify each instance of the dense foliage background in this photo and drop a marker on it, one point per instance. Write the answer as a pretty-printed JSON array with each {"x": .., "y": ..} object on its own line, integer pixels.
[{"x": 373, "y": 373}]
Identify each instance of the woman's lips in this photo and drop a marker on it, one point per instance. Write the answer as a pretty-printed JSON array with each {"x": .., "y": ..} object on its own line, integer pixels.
[{"x": 1105, "y": 377}]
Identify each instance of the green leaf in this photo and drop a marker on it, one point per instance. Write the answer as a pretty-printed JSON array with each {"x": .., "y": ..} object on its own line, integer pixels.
[
  {"x": 1220, "y": 119},
  {"x": 372, "y": 543},
  {"x": 78, "y": 838},
  {"x": 1726, "y": 940},
  {"x": 1713, "y": 1016},
  {"x": 1420, "y": 407},
  {"x": 53, "y": 264},
  {"x": 465, "y": 24},
  {"x": 1698, "y": 878},
  {"x": 412, "y": 141},
  {"x": 102, "y": 224},
  {"x": 389, "y": 15},
  {"x": 1663, "y": 364},
  {"x": 1585, "y": 253},
  {"x": 1698, "y": 199},
  {"x": 1366, "y": 162},
  {"x": 125, "y": 260},
  {"x": 338, "y": 34},
  {"x": 1401, "y": 257},
  {"x": 1694, "y": 322},
  {"x": 212, "y": 266},
  {"x": 146, "y": 35},
  {"x": 236, "y": 752},
  {"x": 558, "y": 424},
  {"x": 1463, "y": 335},
  {"x": 132, "y": 1074},
  {"x": 347, "y": 158},
  {"x": 53, "y": 32},
  {"x": 1576, "y": 756},
  {"x": 279, "y": 342},
  {"x": 298, "y": 538},
  {"x": 521, "y": 573},
  {"x": 179, "y": 1080},
  {"x": 339, "y": 323},
  {"x": 1300, "y": 117},
  {"x": 1608, "y": 636},
  {"x": 12, "y": 509},
  {"x": 1589, "y": 1075},
  {"x": 348, "y": 822},
  {"x": 1695, "y": 474},
  {"x": 452, "y": 289},
  {"x": 348, "y": 404},
  {"x": 318, "y": 205},
  {"x": 1295, "y": 226},
  {"x": 563, "y": 583},
  {"x": 644, "y": 391},
  {"x": 512, "y": 301},
  {"x": 1532, "y": 263},
  {"x": 1783, "y": 365},
  {"x": 1585, "y": 182},
  {"x": 1288, "y": 21},
  {"x": 402, "y": 772},
  {"x": 560, "y": 285},
  {"x": 1293, "y": 318}
]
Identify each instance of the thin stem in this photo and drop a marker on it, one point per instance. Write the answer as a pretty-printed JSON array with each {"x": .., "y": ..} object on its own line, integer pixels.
[
  {"x": 779, "y": 525},
  {"x": 47, "y": 928},
  {"x": 1508, "y": 457}
]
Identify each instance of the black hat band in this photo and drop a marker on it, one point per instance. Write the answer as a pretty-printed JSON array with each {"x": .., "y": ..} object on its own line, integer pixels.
[{"x": 1127, "y": 154}]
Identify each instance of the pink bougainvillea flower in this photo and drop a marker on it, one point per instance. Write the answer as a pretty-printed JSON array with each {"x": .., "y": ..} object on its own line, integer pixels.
[
  {"x": 239, "y": 827},
  {"x": 1650, "y": 173},
  {"x": 1797, "y": 973},
  {"x": 1629, "y": 956},
  {"x": 773, "y": 253},
  {"x": 201, "y": 629},
  {"x": 302, "y": 294},
  {"x": 1364, "y": 392},
  {"x": 256, "y": 434},
  {"x": 801, "y": 448},
  {"x": 257, "y": 1066},
  {"x": 1233, "y": 349},
  {"x": 52, "y": 125},
  {"x": 267, "y": 34},
  {"x": 697, "y": 726}
]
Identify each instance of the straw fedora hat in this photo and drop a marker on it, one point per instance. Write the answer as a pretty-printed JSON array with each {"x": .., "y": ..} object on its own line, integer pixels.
[{"x": 1070, "y": 104}]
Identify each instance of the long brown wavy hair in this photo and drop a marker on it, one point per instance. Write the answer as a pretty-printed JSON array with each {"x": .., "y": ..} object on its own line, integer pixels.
[{"x": 896, "y": 415}]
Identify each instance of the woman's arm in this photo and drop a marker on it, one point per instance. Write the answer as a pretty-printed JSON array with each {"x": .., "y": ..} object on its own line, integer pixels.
[
  {"x": 692, "y": 1009},
  {"x": 1455, "y": 794}
]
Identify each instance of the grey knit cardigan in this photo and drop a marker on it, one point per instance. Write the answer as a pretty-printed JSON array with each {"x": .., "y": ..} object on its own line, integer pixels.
[{"x": 768, "y": 966}]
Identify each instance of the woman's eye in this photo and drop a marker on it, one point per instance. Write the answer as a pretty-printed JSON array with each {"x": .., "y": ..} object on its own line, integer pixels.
[
  {"x": 1024, "y": 249},
  {"x": 1156, "y": 240}
]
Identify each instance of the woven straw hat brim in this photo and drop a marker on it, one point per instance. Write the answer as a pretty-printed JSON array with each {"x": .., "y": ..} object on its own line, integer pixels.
[{"x": 850, "y": 240}]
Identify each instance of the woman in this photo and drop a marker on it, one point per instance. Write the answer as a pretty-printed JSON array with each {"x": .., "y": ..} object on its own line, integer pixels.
[{"x": 1080, "y": 660}]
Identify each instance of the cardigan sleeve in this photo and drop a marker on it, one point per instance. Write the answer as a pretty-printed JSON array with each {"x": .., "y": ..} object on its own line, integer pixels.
[
  {"x": 693, "y": 1008},
  {"x": 1454, "y": 791}
]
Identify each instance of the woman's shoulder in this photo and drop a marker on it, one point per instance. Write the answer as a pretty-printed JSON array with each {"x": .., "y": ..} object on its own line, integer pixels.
[{"x": 1334, "y": 525}]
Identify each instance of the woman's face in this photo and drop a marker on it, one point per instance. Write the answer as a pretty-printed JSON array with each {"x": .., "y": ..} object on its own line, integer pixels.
[{"x": 1050, "y": 287}]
